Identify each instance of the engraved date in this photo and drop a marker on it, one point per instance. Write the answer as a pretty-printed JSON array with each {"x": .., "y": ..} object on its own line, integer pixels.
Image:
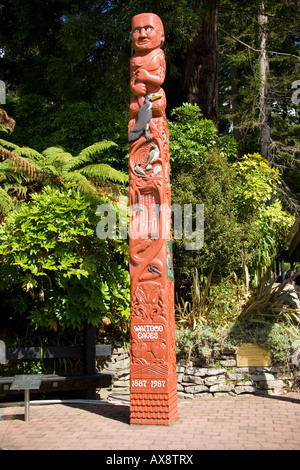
[{"x": 146, "y": 383}]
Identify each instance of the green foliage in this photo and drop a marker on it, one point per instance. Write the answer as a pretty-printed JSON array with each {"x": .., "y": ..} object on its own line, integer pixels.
[
  {"x": 256, "y": 193},
  {"x": 26, "y": 170},
  {"x": 191, "y": 136},
  {"x": 228, "y": 147},
  {"x": 3, "y": 128},
  {"x": 194, "y": 312},
  {"x": 215, "y": 304},
  {"x": 244, "y": 227},
  {"x": 33, "y": 114},
  {"x": 67, "y": 69},
  {"x": 239, "y": 78},
  {"x": 272, "y": 226},
  {"x": 25, "y": 152},
  {"x": 275, "y": 301},
  {"x": 83, "y": 167},
  {"x": 62, "y": 274},
  {"x": 42, "y": 123},
  {"x": 275, "y": 223},
  {"x": 272, "y": 336},
  {"x": 265, "y": 315},
  {"x": 212, "y": 184},
  {"x": 73, "y": 125},
  {"x": 257, "y": 182},
  {"x": 207, "y": 342},
  {"x": 6, "y": 202},
  {"x": 67, "y": 76},
  {"x": 201, "y": 342},
  {"x": 242, "y": 212}
]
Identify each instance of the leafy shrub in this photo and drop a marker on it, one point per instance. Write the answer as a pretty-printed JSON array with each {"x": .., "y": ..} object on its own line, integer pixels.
[
  {"x": 60, "y": 272},
  {"x": 206, "y": 343},
  {"x": 212, "y": 184},
  {"x": 191, "y": 136},
  {"x": 232, "y": 314}
]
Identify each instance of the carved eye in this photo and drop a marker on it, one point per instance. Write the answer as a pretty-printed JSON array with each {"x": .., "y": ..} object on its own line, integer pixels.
[
  {"x": 149, "y": 28},
  {"x": 136, "y": 30}
]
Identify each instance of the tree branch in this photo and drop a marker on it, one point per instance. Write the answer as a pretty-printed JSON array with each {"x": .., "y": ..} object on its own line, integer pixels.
[{"x": 257, "y": 50}]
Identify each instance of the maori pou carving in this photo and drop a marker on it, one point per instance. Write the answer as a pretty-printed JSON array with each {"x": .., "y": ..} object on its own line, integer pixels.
[{"x": 153, "y": 393}]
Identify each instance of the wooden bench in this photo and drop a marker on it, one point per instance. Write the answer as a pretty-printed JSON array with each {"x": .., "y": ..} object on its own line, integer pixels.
[{"x": 87, "y": 382}]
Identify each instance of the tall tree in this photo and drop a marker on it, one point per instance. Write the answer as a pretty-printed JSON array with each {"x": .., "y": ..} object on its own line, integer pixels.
[
  {"x": 236, "y": 59},
  {"x": 264, "y": 95},
  {"x": 200, "y": 69},
  {"x": 258, "y": 63}
]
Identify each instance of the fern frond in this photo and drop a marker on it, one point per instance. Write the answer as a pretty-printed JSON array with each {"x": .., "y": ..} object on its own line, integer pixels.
[
  {"x": 8, "y": 174},
  {"x": 88, "y": 154},
  {"x": 29, "y": 153},
  {"x": 51, "y": 151},
  {"x": 81, "y": 181},
  {"x": 20, "y": 164},
  {"x": 56, "y": 159},
  {"x": 6, "y": 202},
  {"x": 61, "y": 159},
  {"x": 104, "y": 172},
  {"x": 93, "y": 149},
  {"x": 3, "y": 128},
  {"x": 8, "y": 145},
  {"x": 3, "y": 177},
  {"x": 50, "y": 170},
  {"x": 26, "y": 152},
  {"x": 16, "y": 188},
  {"x": 73, "y": 163}
]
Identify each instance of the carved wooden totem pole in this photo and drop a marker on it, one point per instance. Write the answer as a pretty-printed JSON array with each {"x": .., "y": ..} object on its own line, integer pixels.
[{"x": 153, "y": 383}]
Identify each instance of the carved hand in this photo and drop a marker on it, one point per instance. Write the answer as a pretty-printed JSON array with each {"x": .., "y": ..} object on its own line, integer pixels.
[
  {"x": 142, "y": 75},
  {"x": 139, "y": 89}
]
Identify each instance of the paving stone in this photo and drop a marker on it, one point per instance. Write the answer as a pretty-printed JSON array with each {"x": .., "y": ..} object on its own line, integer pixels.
[{"x": 204, "y": 423}]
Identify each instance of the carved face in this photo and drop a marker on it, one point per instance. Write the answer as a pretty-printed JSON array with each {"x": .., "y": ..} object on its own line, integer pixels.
[{"x": 147, "y": 32}]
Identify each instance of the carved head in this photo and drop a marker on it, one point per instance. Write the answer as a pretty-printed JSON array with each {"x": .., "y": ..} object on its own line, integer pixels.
[{"x": 147, "y": 32}]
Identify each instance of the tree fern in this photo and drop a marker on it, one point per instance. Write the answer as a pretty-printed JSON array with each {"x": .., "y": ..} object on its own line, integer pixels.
[
  {"x": 52, "y": 151},
  {"x": 22, "y": 168},
  {"x": 8, "y": 145},
  {"x": 57, "y": 160},
  {"x": 82, "y": 183},
  {"x": 12, "y": 182},
  {"x": 88, "y": 154},
  {"x": 104, "y": 171},
  {"x": 50, "y": 171},
  {"x": 20, "y": 164},
  {"x": 56, "y": 153},
  {"x": 26, "y": 152},
  {"x": 96, "y": 148},
  {"x": 6, "y": 202}
]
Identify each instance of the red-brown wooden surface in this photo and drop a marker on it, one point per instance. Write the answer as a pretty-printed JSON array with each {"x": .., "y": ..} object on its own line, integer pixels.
[{"x": 153, "y": 384}]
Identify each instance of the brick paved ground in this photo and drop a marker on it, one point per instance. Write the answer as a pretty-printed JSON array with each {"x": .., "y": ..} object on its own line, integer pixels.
[{"x": 238, "y": 423}]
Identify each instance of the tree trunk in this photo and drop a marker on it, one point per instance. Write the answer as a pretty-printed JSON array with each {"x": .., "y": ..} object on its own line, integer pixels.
[
  {"x": 238, "y": 131},
  {"x": 264, "y": 99},
  {"x": 200, "y": 80}
]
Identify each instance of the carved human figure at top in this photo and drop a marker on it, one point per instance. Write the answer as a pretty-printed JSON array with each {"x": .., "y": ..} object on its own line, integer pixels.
[{"x": 147, "y": 65}]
